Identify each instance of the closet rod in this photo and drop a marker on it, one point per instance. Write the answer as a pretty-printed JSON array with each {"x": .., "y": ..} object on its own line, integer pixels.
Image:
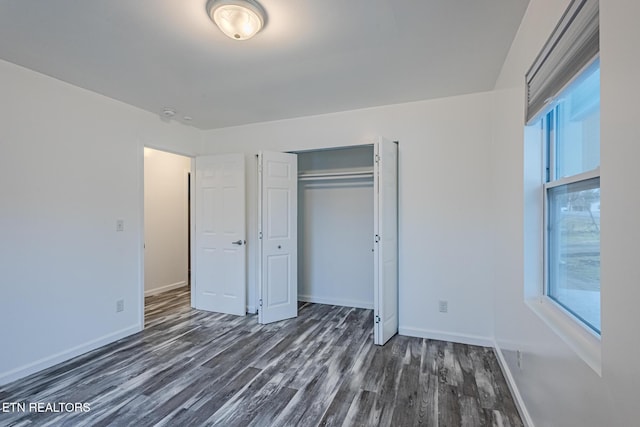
[{"x": 335, "y": 175}]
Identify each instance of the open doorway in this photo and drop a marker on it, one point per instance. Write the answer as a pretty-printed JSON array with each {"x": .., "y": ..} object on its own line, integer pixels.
[{"x": 167, "y": 275}]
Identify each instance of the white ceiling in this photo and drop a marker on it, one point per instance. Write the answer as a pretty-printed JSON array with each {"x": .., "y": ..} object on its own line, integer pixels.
[{"x": 313, "y": 57}]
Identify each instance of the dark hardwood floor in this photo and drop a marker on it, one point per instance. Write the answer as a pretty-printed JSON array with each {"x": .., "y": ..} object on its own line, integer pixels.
[{"x": 193, "y": 368}]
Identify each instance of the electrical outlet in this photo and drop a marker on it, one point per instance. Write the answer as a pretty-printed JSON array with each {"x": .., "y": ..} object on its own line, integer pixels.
[
  {"x": 120, "y": 225},
  {"x": 443, "y": 306},
  {"x": 119, "y": 305},
  {"x": 519, "y": 358}
]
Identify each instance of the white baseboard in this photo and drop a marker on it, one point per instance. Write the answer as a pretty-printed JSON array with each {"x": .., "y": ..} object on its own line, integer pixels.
[
  {"x": 49, "y": 361},
  {"x": 252, "y": 309},
  {"x": 446, "y": 336},
  {"x": 164, "y": 288},
  {"x": 335, "y": 301},
  {"x": 515, "y": 392}
]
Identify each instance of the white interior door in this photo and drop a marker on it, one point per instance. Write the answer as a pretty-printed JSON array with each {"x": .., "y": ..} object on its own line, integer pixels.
[
  {"x": 385, "y": 302},
  {"x": 219, "y": 270},
  {"x": 278, "y": 224}
]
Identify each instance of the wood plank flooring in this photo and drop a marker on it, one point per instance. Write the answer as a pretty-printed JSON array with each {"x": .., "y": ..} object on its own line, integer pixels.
[{"x": 193, "y": 368}]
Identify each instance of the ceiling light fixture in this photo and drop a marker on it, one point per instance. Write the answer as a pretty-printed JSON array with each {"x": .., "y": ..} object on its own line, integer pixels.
[{"x": 237, "y": 19}]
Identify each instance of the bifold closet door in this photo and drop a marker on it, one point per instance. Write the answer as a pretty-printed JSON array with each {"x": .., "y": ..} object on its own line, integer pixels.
[
  {"x": 219, "y": 263},
  {"x": 278, "y": 228},
  {"x": 385, "y": 299}
]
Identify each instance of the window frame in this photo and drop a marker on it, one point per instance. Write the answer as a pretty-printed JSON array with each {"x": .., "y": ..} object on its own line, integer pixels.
[
  {"x": 583, "y": 340},
  {"x": 549, "y": 120},
  {"x": 572, "y": 47}
]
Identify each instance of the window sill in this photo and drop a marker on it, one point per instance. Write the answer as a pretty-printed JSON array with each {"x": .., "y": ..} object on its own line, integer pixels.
[{"x": 583, "y": 341}]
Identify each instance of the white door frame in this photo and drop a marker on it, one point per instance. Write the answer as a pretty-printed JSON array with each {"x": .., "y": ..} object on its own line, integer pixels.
[{"x": 141, "y": 263}]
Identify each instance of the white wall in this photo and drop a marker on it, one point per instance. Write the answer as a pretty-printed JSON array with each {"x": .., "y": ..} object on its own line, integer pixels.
[
  {"x": 558, "y": 388},
  {"x": 166, "y": 231},
  {"x": 444, "y": 210},
  {"x": 70, "y": 166},
  {"x": 620, "y": 152}
]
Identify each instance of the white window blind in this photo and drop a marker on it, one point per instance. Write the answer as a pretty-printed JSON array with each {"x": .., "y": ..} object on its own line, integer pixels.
[{"x": 572, "y": 45}]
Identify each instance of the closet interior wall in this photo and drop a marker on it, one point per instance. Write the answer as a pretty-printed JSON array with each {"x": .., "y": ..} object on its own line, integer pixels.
[{"x": 335, "y": 226}]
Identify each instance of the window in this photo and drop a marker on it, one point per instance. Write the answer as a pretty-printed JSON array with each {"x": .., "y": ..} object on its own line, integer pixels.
[
  {"x": 563, "y": 106},
  {"x": 571, "y": 130}
]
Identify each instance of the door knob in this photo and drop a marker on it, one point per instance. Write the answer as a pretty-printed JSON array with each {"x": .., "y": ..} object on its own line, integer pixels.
[{"x": 237, "y": 242}]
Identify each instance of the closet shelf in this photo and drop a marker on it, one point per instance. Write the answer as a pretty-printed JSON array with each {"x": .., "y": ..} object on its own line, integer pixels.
[{"x": 335, "y": 175}]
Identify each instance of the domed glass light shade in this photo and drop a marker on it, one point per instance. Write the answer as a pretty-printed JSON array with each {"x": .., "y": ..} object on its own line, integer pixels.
[{"x": 237, "y": 19}]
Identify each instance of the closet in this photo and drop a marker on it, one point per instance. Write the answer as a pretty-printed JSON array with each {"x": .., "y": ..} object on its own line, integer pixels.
[
  {"x": 335, "y": 226},
  {"x": 328, "y": 232}
]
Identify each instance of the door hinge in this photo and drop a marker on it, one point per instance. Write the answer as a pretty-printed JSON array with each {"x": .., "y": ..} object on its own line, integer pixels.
[
  {"x": 260, "y": 235},
  {"x": 377, "y": 158},
  {"x": 378, "y": 319},
  {"x": 377, "y": 238},
  {"x": 260, "y": 302}
]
